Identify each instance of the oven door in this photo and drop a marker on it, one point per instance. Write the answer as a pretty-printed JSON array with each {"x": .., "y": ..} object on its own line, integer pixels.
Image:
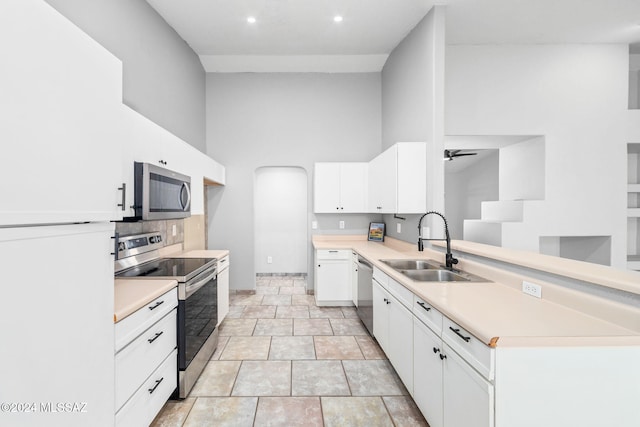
[{"x": 197, "y": 315}]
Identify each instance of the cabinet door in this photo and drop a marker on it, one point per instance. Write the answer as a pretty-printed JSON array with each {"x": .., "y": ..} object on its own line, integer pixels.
[
  {"x": 333, "y": 284},
  {"x": 353, "y": 187},
  {"x": 381, "y": 316},
  {"x": 401, "y": 341},
  {"x": 427, "y": 373},
  {"x": 61, "y": 119},
  {"x": 412, "y": 177},
  {"x": 383, "y": 182},
  {"x": 223, "y": 293},
  {"x": 468, "y": 398},
  {"x": 326, "y": 188},
  {"x": 57, "y": 317}
]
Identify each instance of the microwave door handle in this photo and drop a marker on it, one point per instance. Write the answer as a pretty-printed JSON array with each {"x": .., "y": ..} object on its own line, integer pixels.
[
  {"x": 194, "y": 287},
  {"x": 185, "y": 187}
]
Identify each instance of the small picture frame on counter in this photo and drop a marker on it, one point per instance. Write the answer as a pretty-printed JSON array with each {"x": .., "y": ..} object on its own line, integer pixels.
[{"x": 376, "y": 232}]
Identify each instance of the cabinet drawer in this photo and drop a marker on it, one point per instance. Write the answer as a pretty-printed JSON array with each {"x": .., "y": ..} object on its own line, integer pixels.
[
  {"x": 380, "y": 277},
  {"x": 147, "y": 401},
  {"x": 135, "y": 362},
  {"x": 428, "y": 315},
  {"x": 471, "y": 349},
  {"x": 402, "y": 294},
  {"x": 333, "y": 254},
  {"x": 131, "y": 326},
  {"x": 223, "y": 263}
]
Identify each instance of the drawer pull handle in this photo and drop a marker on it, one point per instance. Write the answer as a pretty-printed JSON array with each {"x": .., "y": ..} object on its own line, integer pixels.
[
  {"x": 436, "y": 350},
  {"x": 457, "y": 331},
  {"x": 156, "y": 337},
  {"x": 333, "y": 252},
  {"x": 421, "y": 304},
  {"x": 443, "y": 356},
  {"x": 157, "y": 305},
  {"x": 151, "y": 390}
]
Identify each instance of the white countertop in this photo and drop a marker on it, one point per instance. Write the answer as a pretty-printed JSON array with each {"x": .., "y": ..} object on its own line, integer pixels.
[
  {"x": 490, "y": 310},
  {"x": 131, "y": 294}
]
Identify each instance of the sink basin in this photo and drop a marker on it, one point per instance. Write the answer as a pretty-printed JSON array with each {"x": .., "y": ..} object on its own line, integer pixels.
[
  {"x": 435, "y": 276},
  {"x": 411, "y": 264},
  {"x": 428, "y": 270}
]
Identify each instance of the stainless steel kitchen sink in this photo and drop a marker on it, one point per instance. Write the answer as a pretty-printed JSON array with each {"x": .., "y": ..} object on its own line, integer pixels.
[
  {"x": 412, "y": 264},
  {"x": 434, "y": 276},
  {"x": 422, "y": 270}
]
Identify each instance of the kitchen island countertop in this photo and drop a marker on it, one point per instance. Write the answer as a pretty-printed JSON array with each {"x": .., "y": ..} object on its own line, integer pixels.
[{"x": 494, "y": 312}]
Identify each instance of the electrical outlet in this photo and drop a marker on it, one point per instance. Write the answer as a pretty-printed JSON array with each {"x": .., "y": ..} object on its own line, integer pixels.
[
  {"x": 532, "y": 289},
  {"x": 269, "y": 259},
  {"x": 341, "y": 225},
  {"x": 398, "y": 228},
  {"x": 314, "y": 225},
  {"x": 173, "y": 230}
]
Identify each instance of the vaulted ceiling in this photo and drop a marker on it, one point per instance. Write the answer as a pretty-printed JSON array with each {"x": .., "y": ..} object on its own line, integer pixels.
[{"x": 302, "y": 34}]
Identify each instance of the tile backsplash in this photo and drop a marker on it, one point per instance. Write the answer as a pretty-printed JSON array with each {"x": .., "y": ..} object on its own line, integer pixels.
[{"x": 165, "y": 228}]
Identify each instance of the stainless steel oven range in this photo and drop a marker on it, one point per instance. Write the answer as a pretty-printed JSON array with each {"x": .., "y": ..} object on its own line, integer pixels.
[{"x": 138, "y": 258}]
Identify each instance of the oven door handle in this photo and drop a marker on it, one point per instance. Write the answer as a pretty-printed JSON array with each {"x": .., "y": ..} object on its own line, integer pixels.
[{"x": 194, "y": 287}]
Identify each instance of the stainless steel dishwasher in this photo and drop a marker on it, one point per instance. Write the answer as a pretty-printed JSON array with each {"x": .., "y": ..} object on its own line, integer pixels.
[{"x": 365, "y": 293}]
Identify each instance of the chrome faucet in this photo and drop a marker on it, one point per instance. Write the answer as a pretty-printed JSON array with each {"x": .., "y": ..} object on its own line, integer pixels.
[{"x": 449, "y": 259}]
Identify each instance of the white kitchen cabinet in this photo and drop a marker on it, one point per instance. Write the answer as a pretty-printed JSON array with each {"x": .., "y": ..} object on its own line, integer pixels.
[
  {"x": 427, "y": 373},
  {"x": 393, "y": 328},
  {"x": 383, "y": 182},
  {"x": 147, "y": 142},
  {"x": 223, "y": 288},
  {"x": 447, "y": 389},
  {"x": 146, "y": 362},
  {"x": 340, "y": 188},
  {"x": 332, "y": 284},
  {"x": 467, "y": 396},
  {"x": 61, "y": 112},
  {"x": 57, "y": 333},
  {"x": 398, "y": 179}
]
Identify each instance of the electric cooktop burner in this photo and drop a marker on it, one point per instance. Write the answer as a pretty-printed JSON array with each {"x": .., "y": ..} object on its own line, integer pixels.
[{"x": 181, "y": 269}]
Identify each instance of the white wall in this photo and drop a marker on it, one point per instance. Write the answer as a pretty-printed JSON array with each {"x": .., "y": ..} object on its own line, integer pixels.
[
  {"x": 287, "y": 119},
  {"x": 574, "y": 95},
  {"x": 413, "y": 106},
  {"x": 163, "y": 78},
  {"x": 281, "y": 220}
]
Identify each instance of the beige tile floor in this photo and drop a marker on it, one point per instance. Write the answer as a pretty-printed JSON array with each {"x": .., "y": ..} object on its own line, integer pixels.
[{"x": 283, "y": 361}]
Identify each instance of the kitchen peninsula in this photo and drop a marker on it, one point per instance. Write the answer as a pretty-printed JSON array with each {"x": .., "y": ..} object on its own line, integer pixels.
[{"x": 567, "y": 358}]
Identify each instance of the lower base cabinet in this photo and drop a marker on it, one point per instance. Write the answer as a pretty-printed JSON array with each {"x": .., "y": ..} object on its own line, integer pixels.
[
  {"x": 467, "y": 396},
  {"x": 427, "y": 373},
  {"x": 146, "y": 361},
  {"x": 332, "y": 284},
  {"x": 392, "y": 327}
]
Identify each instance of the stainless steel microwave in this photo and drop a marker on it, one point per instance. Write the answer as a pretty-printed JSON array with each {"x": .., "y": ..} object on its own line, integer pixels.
[{"x": 160, "y": 193}]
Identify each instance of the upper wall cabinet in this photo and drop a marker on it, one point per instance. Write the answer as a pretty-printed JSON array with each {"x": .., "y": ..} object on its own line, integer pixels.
[
  {"x": 61, "y": 110},
  {"x": 147, "y": 142},
  {"x": 398, "y": 179},
  {"x": 340, "y": 188}
]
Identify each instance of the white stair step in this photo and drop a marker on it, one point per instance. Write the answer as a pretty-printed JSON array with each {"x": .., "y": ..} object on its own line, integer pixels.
[{"x": 502, "y": 210}]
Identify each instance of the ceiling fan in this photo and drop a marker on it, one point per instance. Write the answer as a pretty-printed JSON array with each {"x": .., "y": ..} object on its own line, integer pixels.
[{"x": 450, "y": 154}]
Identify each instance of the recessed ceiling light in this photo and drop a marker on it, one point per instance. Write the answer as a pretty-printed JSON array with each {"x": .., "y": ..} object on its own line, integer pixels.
[
  {"x": 251, "y": 20},
  {"x": 337, "y": 18}
]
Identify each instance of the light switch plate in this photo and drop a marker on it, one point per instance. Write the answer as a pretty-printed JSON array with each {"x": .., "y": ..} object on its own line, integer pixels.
[
  {"x": 314, "y": 225},
  {"x": 398, "y": 228},
  {"x": 341, "y": 225}
]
